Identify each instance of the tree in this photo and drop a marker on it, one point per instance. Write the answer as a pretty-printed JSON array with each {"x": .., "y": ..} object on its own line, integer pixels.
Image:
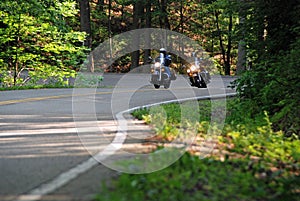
[
  {"x": 37, "y": 41},
  {"x": 85, "y": 26},
  {"x": 241, "y": 60},
  {"x": 192, "y": 18},
  {"x": 148, "y": 16},
  {"x": 273, "y": 82},
  {"x": 138, "y": 9},
  {"x": 164, "y": 19},
  {"x": 227, "y": 7},
  {"x": 85, "y": 21}
]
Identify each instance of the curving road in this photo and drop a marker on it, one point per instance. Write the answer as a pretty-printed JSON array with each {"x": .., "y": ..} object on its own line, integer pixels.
[{"x": 42, "y": 157}]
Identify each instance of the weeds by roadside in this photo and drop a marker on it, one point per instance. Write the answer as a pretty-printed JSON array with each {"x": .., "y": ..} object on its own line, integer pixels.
[{"x": 252, "y": 162}]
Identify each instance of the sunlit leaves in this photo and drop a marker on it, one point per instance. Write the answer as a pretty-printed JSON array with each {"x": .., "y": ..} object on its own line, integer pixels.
[
  {"x": 67, "y": 8},
  {"x": 37, "y": 39}
]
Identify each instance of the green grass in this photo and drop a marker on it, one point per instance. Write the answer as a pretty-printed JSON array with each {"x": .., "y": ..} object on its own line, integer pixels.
[
  {"x": 38, "y": 86},
  {"x": 191, "y": 179},
  {"x": 253, "y": 163},
  {"x": 83, "y": 80}
]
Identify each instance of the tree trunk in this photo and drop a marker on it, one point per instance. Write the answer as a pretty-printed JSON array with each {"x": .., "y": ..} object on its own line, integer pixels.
[
  {"x": 241, "y": 61},
  {"x": 228, "y": 53},
  {"x": 85, "y": 26},
  {"x": 181, "y": 27},
  {"x": 137, "y": 12},
  {"x": 18, "y": 47},
  {"x": 100, "y": 5},
  {"x": 221, "y": 41},
  {"x": 110, "y": 34},
  {"x": 181, "y": 17},
  {"x": 85, "y": 21},
  {"x": 166, "y": 23},
  {"x": 260, "y": 31},
  {"x": 147, "y": 53}
]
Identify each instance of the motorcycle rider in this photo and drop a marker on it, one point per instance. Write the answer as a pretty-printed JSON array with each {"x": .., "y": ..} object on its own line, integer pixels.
[
  {"x": 167, "y": 61},
  {"x": 197, "y": 62},
  {"x": 204, "y": 74}
]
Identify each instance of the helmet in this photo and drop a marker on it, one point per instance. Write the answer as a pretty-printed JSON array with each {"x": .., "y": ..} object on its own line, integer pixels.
[{"x": 163, "y": 50}]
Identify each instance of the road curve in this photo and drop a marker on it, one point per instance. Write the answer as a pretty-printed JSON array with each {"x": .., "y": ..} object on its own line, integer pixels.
[{"x": 41, "y": 154}]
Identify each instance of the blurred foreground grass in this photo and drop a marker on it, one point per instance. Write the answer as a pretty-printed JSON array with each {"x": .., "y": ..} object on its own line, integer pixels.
[{"x": 250, "y": 161}]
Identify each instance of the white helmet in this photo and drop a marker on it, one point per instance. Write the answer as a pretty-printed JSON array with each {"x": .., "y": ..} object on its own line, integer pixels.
[{"x": 163, "y": 50}]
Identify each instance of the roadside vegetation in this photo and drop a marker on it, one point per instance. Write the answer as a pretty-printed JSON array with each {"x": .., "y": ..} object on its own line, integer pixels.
[
  {"x": 250, "y": 161},
  {"x": 45, "y": 43}
]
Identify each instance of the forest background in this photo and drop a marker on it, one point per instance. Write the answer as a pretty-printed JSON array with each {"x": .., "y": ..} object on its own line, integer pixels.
[{"x": 49, "y": 40}]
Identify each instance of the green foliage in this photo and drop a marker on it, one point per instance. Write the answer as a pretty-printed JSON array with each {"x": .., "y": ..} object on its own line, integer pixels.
[
  {"x": 140, "y": 113},
  {"x": 252, "y": 135},
  {"x": 174, "y": 119},
  {"x": 37, "y": 45},
  {"x": 88, "y": 80},
  {"x": 258, "y": 164},
  {"x": 36, "y": 86},
  {"x": 272, "y": 84},
  {"x": 192, "y": 179},
  {"x": 274, "y": 87},
  {"x": 166, "y": 119},
  {"x": 262, "y": 141},
  {"x": 197, "y": 21},
  {"x": 46, "y": 32}
]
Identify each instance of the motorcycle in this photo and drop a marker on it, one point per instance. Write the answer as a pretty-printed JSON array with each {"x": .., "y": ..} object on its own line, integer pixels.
[
  {"x": 199, "y": 76},
  {"x": 159, "y": 75}
]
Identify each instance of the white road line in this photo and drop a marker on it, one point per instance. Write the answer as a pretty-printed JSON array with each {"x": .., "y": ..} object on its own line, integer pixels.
[
  {"x": 66, "y": 177},
  {"x": 59, "y": 181}
]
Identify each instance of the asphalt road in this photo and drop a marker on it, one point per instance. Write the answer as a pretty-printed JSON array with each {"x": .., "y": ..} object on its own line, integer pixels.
[{"x": 47, "y": 136}]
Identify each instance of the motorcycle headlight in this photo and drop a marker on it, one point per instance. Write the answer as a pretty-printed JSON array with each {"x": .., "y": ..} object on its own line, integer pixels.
[
  {"x": 188, "y": 70},
  {"x": 157, "y": 65},
  {"x": 193, "y": 68}
]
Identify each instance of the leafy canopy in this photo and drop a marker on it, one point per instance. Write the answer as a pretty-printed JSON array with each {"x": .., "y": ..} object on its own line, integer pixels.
[{"x": 36, "y": 42}]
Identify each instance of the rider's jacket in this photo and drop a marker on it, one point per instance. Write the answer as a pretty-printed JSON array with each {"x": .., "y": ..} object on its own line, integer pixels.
[{"x": 167, "y": 60}]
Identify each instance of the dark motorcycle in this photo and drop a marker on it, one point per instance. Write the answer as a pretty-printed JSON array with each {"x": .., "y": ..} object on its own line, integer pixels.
[
  {"x": 199, "y": 77},
  {"x": 159, "y": 74}
]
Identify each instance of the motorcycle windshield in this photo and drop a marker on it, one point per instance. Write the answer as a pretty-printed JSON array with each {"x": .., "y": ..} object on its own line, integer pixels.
[{"x": 162, "y": 59}]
